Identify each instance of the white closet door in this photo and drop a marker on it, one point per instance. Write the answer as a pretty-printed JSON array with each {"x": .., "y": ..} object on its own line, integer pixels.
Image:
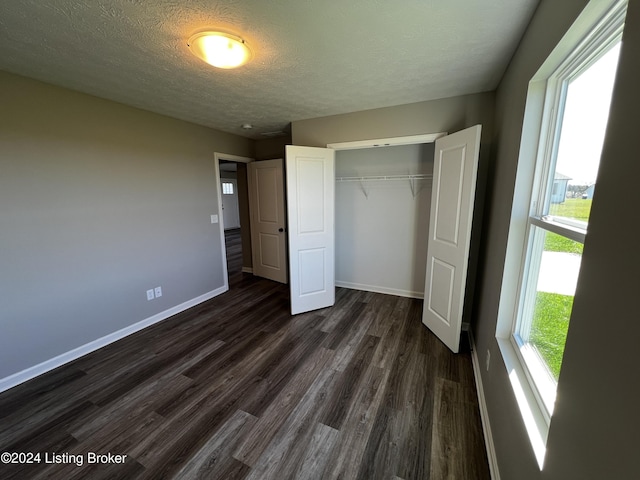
[
  {"x": 310, "y": 206},
  {"x": 453, "y": 193}
]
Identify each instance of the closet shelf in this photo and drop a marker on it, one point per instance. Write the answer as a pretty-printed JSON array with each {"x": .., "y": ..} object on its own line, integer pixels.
[{"x": 376, "y": 178}]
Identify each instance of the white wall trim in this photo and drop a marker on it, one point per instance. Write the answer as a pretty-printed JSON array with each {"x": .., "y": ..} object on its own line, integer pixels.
[
  {"x": 378, "y": 289},
  {"x": 55, "y": 362},
  {"x": 247, "y": 269},
  {"x": 387, "y": 142},
  {"x": 231, "y": 158},
  {"x": 484, "y": 413}
]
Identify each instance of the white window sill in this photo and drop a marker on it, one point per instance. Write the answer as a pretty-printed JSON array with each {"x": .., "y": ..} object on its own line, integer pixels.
[{"x": 532, "y": 414}]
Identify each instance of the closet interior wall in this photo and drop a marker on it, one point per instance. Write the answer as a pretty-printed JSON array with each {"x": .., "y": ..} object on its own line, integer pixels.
[{"x": 383, "y": 200}]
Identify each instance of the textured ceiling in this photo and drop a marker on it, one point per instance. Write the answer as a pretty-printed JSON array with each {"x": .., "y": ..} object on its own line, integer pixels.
[{"x": 311, "y": 58}]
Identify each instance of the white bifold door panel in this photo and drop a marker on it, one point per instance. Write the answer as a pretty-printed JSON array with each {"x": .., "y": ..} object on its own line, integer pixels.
[
  {"x": 453, "y": 193},
  {"x": 310, "y": 206},
  {"x": 268, "y": 221}
]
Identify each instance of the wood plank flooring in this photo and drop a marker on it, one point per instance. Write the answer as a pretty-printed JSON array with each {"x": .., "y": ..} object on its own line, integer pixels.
[
  {"x": 236, "y": 388},
  {"x": 233, "y": 243}
]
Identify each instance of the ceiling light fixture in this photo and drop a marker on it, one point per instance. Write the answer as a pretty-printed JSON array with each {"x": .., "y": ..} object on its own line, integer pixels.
[{"x": 219, "y": 49}]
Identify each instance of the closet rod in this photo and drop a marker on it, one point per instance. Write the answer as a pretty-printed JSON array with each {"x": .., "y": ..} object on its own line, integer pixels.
[{"x": 384, "y": 177}]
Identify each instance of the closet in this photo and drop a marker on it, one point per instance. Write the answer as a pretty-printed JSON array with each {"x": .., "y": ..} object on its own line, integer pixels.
[
  {"x": 382, "y": 205},
  {"x": 354, "y": 229}
]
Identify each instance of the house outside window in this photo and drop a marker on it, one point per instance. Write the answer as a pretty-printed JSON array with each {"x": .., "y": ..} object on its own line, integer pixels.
[{"x": 559, "y": 191}]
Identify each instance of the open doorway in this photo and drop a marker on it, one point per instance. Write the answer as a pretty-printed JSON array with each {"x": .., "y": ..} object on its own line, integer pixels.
[
  {"x": 383, "y": 201},
  {"x": 233, "y": 210},
  {"x": 231, "y": 217},
  {"x": 230, "y": 200}
]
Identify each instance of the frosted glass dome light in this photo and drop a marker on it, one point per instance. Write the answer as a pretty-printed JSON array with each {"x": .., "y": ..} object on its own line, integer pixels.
[{"x": 220, "y": 49}]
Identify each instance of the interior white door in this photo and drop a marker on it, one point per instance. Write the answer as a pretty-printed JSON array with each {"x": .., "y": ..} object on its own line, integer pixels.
[
  {"x": 268, "y": 221},
  {"x": 230, "y": 208},
  {"x": 452, "y": 196},
  {"x": 310, "y": 206}
]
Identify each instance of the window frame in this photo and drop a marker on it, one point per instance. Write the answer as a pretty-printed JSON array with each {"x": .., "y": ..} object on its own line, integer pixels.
[
  {"x": 583, "y": 45},
  {"x": 227, "y": 188}
]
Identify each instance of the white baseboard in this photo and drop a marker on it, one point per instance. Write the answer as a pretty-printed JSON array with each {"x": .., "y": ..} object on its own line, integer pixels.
[
  {"x": 484, "y": 414},
  {"x": 32, "y": 372},
  {"x": 247, "y": 270},
  {"x": 378, "y": 289}
]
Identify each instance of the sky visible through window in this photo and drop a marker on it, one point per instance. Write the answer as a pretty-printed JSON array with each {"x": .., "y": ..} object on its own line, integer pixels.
[{"x": 585, "y": 120}]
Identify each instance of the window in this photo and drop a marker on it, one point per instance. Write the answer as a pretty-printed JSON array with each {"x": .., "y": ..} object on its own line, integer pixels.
[
  {"x": 227, "y": 188},
  {"x": 557, "y": 225},
  {"x": 565, "y": 121}
]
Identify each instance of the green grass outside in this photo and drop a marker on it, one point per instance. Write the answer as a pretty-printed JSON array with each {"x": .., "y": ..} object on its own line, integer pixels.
[
  {"x": 552, "y": 311},
  {"x": 573, "y": 208},
  {"x": 558, "y": 243},
  {"x": 549, "y": 328}
]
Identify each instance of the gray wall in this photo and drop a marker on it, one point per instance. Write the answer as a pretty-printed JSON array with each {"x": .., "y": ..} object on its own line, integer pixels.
[
  {"x": 594, "y": 431},
  {"x": 445, "y": 115},
  {"x": 270, "y": 148},
  {"x": 99, "y": 202}
]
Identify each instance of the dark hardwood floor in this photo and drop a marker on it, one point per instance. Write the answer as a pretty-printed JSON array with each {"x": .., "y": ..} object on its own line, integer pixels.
[
  {"x": 234, "y": 256},
  {"x": 237, "y": 388}
]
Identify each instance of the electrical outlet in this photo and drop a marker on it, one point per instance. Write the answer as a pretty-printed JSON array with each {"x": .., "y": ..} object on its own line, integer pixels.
[
  {"x": 214, "y": 218},
  {"x": 150, "y": 295},
  {"x": 158, "y": 291},
  {"x": 488, "y": 358}
]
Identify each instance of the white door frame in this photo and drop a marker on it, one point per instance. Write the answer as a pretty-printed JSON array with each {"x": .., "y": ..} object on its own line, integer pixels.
[
  {"x": 223, "y": 245},
  {"x": 387, "y": 142}
]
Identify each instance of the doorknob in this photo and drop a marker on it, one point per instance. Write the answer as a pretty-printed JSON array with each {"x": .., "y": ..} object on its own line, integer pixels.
[{"x": 281, "y": 229}]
